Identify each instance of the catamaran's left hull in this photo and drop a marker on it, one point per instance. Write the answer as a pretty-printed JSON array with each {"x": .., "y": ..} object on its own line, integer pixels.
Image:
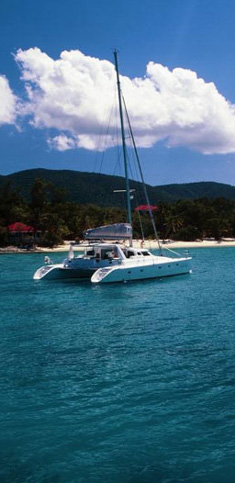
[
  {"x": 79, "y": 267},
  {"x": 59, "y": 272}
]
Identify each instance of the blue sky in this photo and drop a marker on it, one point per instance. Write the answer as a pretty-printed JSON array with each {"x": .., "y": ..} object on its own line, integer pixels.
[{"x": 182, "y": 106}]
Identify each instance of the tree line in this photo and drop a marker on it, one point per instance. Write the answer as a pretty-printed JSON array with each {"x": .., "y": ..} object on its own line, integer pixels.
[{"x": 57, "y": 219}]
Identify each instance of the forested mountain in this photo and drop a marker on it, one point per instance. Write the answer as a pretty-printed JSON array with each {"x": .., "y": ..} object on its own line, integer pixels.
[
  {"x": 98, "y": 189},
  {"x": 62, "y": 204}
]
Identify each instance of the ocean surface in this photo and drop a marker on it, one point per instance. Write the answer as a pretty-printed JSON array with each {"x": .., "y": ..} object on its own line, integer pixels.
[{"x": 118, "y": 383}]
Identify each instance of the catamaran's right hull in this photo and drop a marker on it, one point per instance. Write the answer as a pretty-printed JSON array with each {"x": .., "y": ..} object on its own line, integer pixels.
[{"x": 159, "y": 269}]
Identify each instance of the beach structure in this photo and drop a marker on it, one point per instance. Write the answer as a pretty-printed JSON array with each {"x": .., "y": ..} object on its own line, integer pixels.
[{"x": 21, "y": 234}]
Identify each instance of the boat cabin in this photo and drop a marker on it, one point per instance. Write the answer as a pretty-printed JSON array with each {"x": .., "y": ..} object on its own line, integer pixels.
[
  {"x": 103, "y": 252},
  {"x": 113, "y": 251},
  {"x": 132, "y": 252}
]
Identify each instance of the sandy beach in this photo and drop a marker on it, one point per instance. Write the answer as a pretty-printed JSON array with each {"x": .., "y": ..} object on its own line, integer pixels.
[
  {"x": 152, "y": 244},
  {"x": 149, "y": 244}
]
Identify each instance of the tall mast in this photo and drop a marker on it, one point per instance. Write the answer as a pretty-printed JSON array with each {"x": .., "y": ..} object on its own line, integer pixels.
[
  {"x": 128, "y": 202},
  {"x": 142, "y": 179}
]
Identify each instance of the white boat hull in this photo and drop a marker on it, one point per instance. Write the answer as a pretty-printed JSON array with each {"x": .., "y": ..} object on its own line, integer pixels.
[
  {"x": 78, "y": 268},
  {"x": 155, "y": 267}
]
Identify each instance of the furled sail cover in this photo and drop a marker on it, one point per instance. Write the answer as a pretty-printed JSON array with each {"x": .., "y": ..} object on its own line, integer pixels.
[{"x": 118, "y": 231}]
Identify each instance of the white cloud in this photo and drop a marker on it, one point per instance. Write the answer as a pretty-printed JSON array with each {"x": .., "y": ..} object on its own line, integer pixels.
[
  {"x": 7, "y": 103},
  {"x": 74, "y": 94},
  {"x": 62, "y": 143}
]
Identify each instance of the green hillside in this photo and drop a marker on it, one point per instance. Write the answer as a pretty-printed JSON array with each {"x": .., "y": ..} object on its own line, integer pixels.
[{"x": 98, "y": 189}]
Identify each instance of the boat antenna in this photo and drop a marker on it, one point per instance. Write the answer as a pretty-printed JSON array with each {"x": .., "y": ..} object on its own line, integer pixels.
[
  {"x": 128, "y": 202},
  {"x": 142, "y": 178}
]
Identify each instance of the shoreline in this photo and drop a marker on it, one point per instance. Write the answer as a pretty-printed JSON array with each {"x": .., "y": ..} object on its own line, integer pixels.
[{"x": 148, "y": 244}]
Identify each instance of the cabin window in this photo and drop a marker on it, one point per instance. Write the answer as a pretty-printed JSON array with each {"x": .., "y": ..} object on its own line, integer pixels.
[
  {"x": 129, "y": 253},
  {"x": 90, "y": 253},
  {"x": 107, "y": 254},
  {"x": 146, "y": 254}
]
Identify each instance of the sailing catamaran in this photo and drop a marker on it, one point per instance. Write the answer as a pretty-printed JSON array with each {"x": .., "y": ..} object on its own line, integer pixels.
[
  {"x": 110, "y": 262},
  {"x": 96, "y": 254},
  {"x": 143, "y": 265}
]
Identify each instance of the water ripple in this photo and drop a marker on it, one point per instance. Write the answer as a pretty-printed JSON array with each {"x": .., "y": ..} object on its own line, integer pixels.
[{"x": 131, "y": 382}]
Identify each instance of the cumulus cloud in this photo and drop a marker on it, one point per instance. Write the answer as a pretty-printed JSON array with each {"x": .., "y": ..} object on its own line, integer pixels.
[
  {"x": 74, "y": 93},
  {"x": 8, "y": 103}
]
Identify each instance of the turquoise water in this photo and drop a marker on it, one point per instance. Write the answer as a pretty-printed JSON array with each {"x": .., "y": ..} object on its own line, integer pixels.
[{"x": 131, "y": 382}]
